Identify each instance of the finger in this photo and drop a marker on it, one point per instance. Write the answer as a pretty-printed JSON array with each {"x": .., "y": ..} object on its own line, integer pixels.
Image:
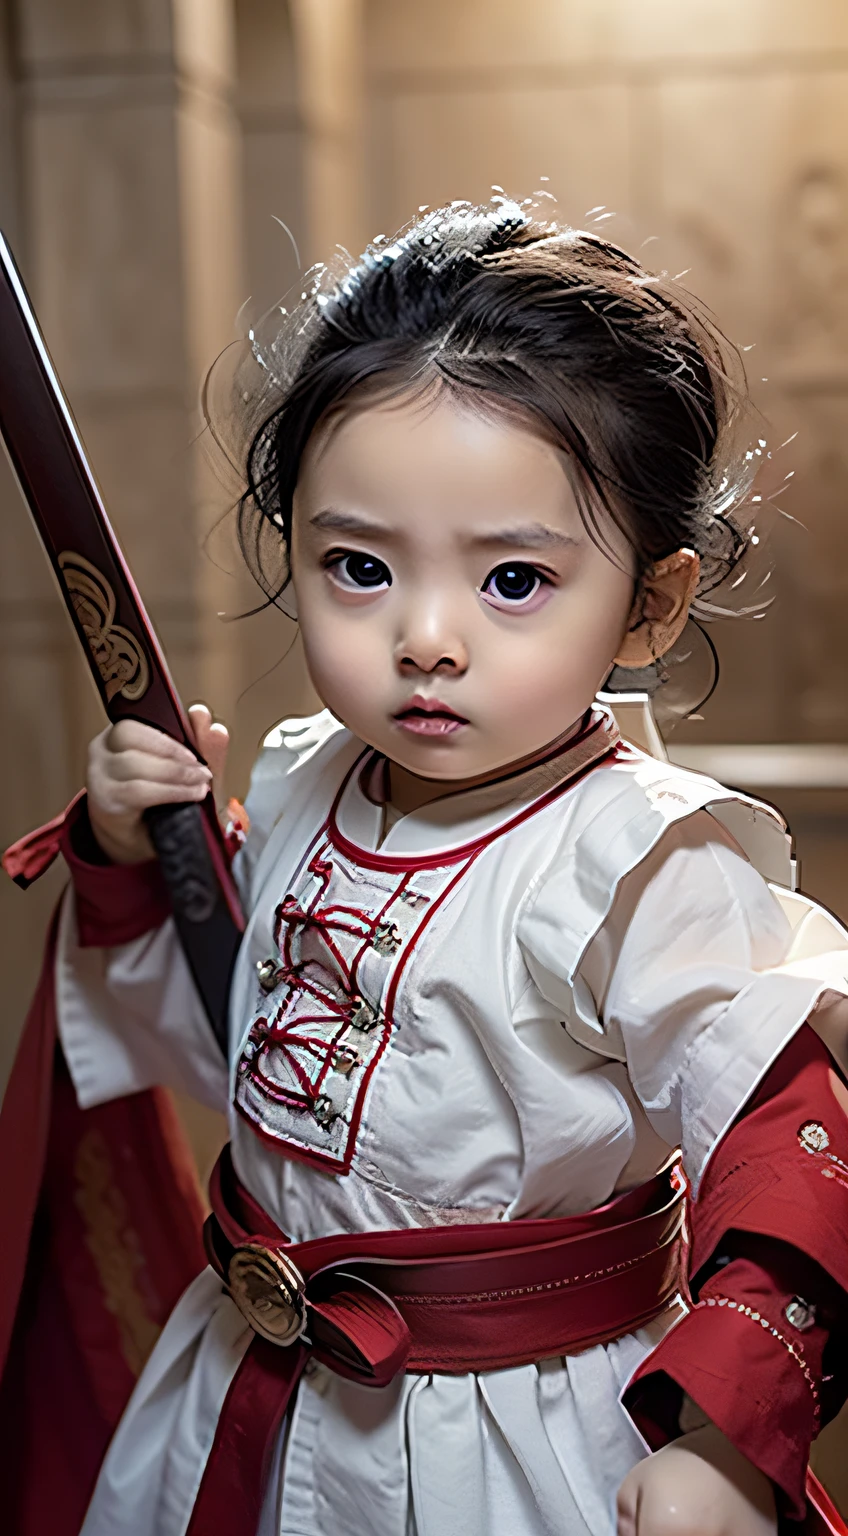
[
  {"x": 211, "y": 737},
  {"x": 126, "y": 801},
  {"x": 127, "y": 735},
  {"x": 213, "y": 741},
  {"x": 215, "y": 749},
  {"x": 142, "y": 794},
  {"x": 124, "y": 766},
  {"x": 200, "y": 719}
]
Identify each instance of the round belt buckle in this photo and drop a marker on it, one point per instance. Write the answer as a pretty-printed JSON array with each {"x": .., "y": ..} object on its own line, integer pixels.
[{"x": 268, "y": 1290}]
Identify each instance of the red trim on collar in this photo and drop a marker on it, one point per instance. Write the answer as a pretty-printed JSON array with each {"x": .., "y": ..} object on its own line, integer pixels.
[{"x": 454, "y": 853}]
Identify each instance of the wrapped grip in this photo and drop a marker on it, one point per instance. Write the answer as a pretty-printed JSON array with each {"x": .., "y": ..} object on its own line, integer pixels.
[
  {"x": 209, "y": 936},
  {"x": 177, "y": 834}
]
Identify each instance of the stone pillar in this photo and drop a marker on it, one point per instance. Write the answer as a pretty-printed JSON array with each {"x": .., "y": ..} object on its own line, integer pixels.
[
  {"x": 329, "y": 49},
  {"x": 129, "y": 152},
  {"x": 34, "y": 773},
  {"x": 279, "y": 211},
  {"x": 272, "y": 151}
]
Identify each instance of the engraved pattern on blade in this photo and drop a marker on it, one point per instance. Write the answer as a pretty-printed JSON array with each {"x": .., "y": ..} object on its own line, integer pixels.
[
  {"x": 118, "y": 655},
  {"x": 342, "y": 932}
]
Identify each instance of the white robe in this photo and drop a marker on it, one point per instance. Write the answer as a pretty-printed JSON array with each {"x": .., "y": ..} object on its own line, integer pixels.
[{"x": 603, "y": 980}]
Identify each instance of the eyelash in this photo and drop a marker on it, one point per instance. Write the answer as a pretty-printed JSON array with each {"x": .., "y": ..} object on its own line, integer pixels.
[
  {"x": 542, "y": 579},
  {"x": 335, "y": 560}
]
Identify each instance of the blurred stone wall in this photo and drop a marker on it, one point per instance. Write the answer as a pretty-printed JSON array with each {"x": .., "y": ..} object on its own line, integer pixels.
[{"x": 715, "y": 137}]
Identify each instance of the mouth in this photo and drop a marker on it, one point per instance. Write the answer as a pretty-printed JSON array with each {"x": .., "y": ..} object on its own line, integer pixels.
[{"x": 429, "y": 717}]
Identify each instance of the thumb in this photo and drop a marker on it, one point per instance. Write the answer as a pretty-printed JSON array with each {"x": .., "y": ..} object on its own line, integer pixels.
[{"x": 212, "y": 740}]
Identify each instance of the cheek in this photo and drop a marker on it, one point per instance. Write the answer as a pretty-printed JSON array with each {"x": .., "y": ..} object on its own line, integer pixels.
[
  {"x": 597, "y": 619},
  {"x": 565, "y": 650},
  {"x": 340, "y": 654}
]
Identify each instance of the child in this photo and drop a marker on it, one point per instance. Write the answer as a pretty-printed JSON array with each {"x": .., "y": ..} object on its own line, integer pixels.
[{"x": 498, "y": 965}]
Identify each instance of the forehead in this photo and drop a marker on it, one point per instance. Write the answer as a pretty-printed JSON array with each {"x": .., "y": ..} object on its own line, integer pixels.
[{"x": 439, "y": 457}]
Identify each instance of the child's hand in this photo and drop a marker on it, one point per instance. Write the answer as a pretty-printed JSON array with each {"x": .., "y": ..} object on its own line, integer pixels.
[
  {"x": 132, "y": 767},
  {"x": 700, "y": 1485}
]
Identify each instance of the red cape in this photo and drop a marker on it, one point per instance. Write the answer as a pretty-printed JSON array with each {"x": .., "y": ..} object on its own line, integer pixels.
[{"x": 101, "y": 1215}]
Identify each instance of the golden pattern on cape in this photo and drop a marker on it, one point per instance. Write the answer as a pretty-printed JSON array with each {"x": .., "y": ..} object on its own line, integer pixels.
[{"x": 115, "y": 1247}]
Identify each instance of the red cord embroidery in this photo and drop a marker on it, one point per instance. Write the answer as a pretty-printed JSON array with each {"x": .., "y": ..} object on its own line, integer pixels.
[{"x": 343, "y": 935}]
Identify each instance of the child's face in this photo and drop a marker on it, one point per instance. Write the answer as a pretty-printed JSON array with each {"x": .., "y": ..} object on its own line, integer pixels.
[{"x": 455, "y": 613}]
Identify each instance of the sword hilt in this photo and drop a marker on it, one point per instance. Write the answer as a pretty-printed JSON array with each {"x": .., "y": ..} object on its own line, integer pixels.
[{"x": 202, "y": 918}]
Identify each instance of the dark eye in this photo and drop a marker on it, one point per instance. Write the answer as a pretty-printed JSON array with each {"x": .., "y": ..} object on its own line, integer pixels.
[
  {"x": 512, "y": 583},
  {"x": 361, "y": 571}
]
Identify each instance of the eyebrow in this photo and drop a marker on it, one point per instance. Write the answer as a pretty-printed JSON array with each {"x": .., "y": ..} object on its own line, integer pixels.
[
  {"x": 525, "y": 536},
  {"x": 333, "y": 521},
  {"x": 528, "y": 536}
]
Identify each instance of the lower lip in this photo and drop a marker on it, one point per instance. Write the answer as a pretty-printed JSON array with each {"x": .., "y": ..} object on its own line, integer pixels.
[{"x": 430, "y": 725}]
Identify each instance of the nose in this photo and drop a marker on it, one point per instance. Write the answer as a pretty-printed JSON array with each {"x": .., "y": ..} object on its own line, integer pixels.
[{"x": 430, "y": 639}]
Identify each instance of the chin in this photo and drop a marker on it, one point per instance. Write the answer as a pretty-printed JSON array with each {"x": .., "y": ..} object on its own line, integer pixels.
[{"x": 432, "y": 760}]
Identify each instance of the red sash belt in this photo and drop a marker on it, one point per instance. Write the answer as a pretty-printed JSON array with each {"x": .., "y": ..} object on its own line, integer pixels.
[{"x": 451, "y": 1299}]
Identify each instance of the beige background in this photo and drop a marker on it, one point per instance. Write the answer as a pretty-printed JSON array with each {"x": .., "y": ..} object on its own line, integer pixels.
[{"x": 147, "y": 148}]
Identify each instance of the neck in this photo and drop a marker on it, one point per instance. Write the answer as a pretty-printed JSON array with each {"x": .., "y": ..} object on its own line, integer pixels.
[{"x": 408, "y": 792}]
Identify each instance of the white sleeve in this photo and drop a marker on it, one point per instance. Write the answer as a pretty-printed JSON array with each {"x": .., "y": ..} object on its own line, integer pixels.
[
  {"x": 286, "y": 748},
  {"x": 130, "y": 1018},
  {"x": 691, "y": 981}
]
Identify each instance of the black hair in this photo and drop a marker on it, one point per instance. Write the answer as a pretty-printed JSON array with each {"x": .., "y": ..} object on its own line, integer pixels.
[{"x": 619, "y": 368}]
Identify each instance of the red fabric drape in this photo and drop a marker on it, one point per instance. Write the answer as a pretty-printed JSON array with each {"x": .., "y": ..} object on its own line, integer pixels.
[{"x": 101, "y": 1216}]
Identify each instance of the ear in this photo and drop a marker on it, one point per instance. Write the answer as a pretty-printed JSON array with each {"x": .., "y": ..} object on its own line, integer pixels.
[{"x": 660, "y": 609}]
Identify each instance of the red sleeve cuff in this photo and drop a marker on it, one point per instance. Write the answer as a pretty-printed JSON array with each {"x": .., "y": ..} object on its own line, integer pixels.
[
  {"x": 768, "y": 1227},
  {"x": 755, "y": 1375},
  {"x": 115, "y": 902}
]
